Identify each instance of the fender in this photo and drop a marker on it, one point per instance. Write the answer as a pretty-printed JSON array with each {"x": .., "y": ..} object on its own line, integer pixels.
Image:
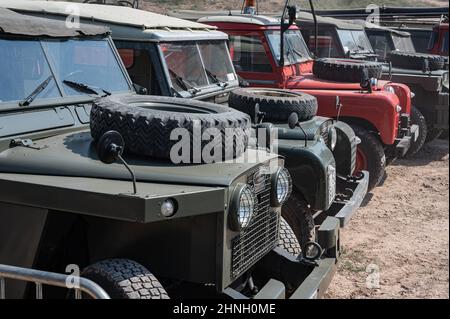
[{"x": 308, "y": 169}]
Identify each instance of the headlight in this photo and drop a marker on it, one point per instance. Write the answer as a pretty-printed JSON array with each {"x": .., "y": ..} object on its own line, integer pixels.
[
  {"x": 332, "y": 138},
  {"x": 389, "y": 89},
  {"x": 242, "y": 207},
  {"x": 331, "y": 172},
  {"x": 282, "y": 186}
]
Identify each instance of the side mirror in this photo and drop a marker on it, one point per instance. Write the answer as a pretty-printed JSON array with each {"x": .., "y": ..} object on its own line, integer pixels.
[
  {"x": 293, "y": 121},
  {"x": 140, "y": 89},
  {"x": 292, "y": 13},
  {"x": 366, "y": 82},
  {"x": 110, "y": 147}
]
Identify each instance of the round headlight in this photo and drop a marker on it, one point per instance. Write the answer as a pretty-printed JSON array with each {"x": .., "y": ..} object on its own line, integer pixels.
[
  {"x": 242, "y": 208},
  {"x": 332, "y": 137},
  {"x": 282, "y": 186},
  {"x": 389, "y": 89}
]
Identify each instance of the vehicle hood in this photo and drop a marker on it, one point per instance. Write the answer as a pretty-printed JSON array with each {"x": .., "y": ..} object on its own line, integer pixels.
[
  {"x": 311, "y": 82},
  {"x": 74, "y": 155}
]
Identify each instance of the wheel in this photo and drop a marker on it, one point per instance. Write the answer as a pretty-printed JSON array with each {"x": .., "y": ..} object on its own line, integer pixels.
[
  {"x": 299, "y": 216},
  {"x": 414, "y": 60},
  {"x": 148, "y": 122},
  {"x": 370, "y": 156},
  {"x": 345, "y": 70},
  {"x": 277, "y": 105},
  {"x": 125, "y": 279},
  {"x": 288, "y": 240},
  {"x": 418, "y": 119}
]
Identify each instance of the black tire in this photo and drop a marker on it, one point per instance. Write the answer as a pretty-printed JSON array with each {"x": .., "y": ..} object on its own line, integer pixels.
[
  {"x": 345, "y": 70},
  {"x": 414, "y": 60},
  {"x": 373, "y": 150},
  {"x": 125, "y": 279},
  {"x": 418, "y": 119},
  {"x": 299, "y": 216},
  {"x": 288, "y": 240},
  {"x": 146, "y": 123},
  {"x": 276, "y": 104}
]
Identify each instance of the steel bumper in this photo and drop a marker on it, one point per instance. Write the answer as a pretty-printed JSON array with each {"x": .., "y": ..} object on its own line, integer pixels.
[
  {"x": 403, "y": 144},
  {"x": 442, "y": 112},
  {"x": 350, "y": 194}
]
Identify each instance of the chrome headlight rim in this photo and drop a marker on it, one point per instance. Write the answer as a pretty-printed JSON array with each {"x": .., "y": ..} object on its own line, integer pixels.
[
  {"x": 390, "y": 89},
  {"x": 332, "y": 137},
  {"x": 239, "y": 219},
  {"x": 281, "y": 187}
]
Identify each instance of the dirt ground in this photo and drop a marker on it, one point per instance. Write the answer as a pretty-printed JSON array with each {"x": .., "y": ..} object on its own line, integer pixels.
[{"x": 397, "y": 245}]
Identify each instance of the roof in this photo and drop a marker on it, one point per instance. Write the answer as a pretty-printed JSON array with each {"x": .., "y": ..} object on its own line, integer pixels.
[
  {"x": 17, "y": 24},
  {"x": 242, "y": 18},
  {"x": 306, "y": 17},
  {"x": 376, "y": 27},
  {"x": 235, "y": 16},
  {"x": 105, "y": 13}
]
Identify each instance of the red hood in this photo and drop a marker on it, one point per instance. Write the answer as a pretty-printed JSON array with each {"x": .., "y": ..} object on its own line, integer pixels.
[{"x": 309, "y": 81}]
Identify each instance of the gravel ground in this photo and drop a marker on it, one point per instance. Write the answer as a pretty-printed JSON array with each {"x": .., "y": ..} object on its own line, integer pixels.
[{"x": 397, "y": 244}]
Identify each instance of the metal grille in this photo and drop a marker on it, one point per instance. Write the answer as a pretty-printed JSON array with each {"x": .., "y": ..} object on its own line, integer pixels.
[
  {"x": 324, "y": 132},
  {"x": 261, "y": 236},
  {"x": 353, "y": 161}
]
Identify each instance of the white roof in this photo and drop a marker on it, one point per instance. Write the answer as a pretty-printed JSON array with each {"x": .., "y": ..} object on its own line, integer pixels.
[
  {"x": 242, "y": 18},
  {"x": 106, "y": 13}
]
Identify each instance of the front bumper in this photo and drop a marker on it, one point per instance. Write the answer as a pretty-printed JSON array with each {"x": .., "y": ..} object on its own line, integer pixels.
[
  {"x": 350, "y": 193},
  {"x": 293, "y": 277},
  {"x": 403, "y": 144}
]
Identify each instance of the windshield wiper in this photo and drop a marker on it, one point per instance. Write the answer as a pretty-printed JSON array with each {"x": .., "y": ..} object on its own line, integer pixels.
[
  {"x": 84, "y": 88},
  {"x": 41, "y": 87},
  {"x": 184, "y": 84},
  {"x": 216, "y": 80}
]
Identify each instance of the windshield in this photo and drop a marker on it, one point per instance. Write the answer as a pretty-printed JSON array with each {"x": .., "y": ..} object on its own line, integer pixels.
[
  {"x": 403, "y": 44},
  {"x": 23, "y": 67},
  {"x": 91, "y": 62},
  {"x": 32, "y": 67},
  {"x": 193, "y": 65},
  {"x": 354, "y": 41},
  {"x": 295, "y": 49}
]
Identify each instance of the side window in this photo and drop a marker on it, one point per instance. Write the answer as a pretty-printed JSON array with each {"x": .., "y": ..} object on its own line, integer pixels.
[
  {"x": 249, "y": 55},
  {"x": 140, "y": 68},
  {"x": 380, "y": 45}
]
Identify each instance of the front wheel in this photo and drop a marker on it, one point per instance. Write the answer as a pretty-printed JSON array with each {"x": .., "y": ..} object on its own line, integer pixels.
[
  {"x": 299, "y": 216},
  {"x": 418, "y": 119},
  {"x": 125, "y": 279},
  {"x": 370, "y": 156}
]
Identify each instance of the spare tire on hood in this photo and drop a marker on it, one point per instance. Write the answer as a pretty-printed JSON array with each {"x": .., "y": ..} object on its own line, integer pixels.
[
  {"x": 277, "y": 104},
  {"x": 415, "y": 61},
  {"x": 147, "y": 122},
  {"x": 346, "y": 70}
]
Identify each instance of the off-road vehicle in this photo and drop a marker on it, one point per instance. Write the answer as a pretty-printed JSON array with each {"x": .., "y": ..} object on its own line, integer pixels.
[
  {"x": 86, "y": 179},
  {"x": 426, "y": 75},
  {"x": 174, "y": 57},
  {"x": 378, "y": 111},
  {"x": 343, "y": 39}
]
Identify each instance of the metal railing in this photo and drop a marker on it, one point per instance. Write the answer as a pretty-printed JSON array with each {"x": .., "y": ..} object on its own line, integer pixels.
[{"x": 40, "y": 278}]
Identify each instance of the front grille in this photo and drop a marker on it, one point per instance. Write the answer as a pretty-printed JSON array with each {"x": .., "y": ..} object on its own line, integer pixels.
[
  {"x": 353, "y": 154},
  {"x": 324, "y": 132},
  {"x": 261, "y": 236}
]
